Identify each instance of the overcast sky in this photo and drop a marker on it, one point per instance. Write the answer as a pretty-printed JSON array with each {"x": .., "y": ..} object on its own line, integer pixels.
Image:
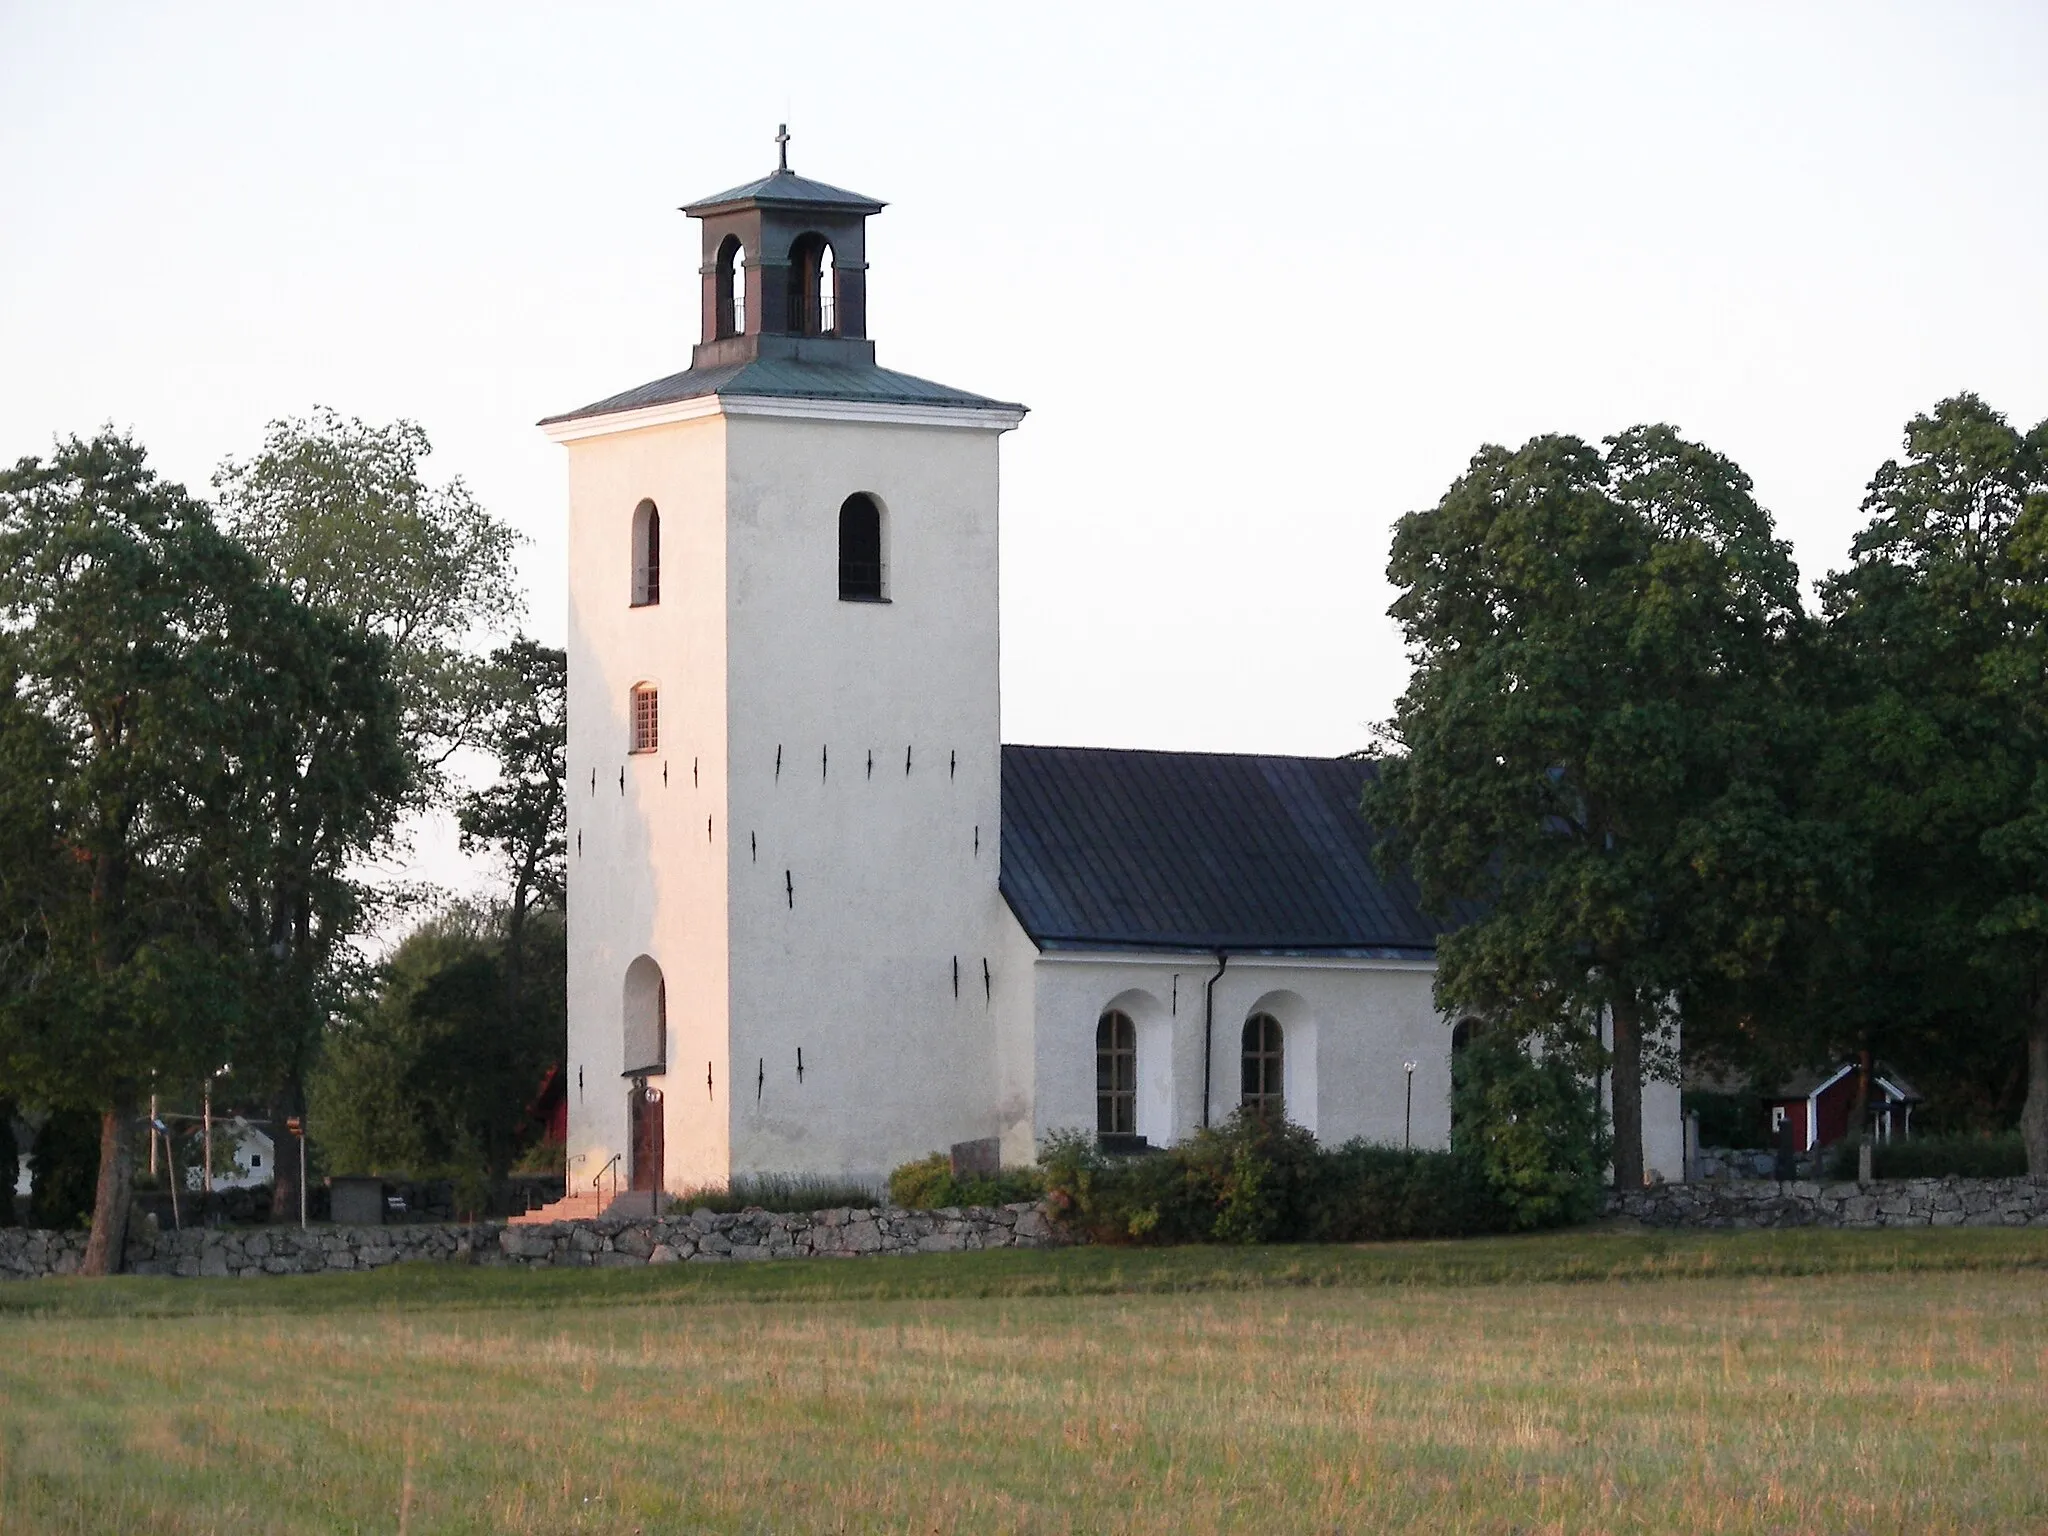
[{"x": 1267, "y": 275}]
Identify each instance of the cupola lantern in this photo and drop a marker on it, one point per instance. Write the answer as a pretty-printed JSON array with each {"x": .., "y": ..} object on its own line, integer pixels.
[{"x": 785, "y": 270}]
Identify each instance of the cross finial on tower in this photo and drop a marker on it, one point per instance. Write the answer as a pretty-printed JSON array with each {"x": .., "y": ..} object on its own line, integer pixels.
[{"x": 782, "y": 146}]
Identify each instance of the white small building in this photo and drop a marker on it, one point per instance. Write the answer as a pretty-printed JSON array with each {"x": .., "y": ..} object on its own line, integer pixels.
[
  {"x": 820, "y": 919},
  {"x": 252, "y": 1162}
]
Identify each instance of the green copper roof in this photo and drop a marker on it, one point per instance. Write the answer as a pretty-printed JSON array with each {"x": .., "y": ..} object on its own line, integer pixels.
[
  {"x": 786, "y": 187},
  {"x": 787, "y": 379}
]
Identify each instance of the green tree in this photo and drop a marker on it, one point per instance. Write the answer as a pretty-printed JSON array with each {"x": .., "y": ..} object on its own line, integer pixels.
[
  {"x": 63, "y": 1170},
  {"x": 320, "y": 784},
  {"x": 1590, "y": 754},
  {"x": 192, "y": 757},
  {"x": 523, "y": 816},
  {"x": 340, "y": 513},
  {"x": 118, "y": 604},
  {"x": 1531, "y": 1122},
  {"x": 1937, "y": 643},
  {"x": 434, "y": 1073}
]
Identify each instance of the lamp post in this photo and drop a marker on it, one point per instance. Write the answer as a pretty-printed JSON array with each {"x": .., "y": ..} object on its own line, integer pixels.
[
  {"x": 297, "y": 1127},
  {"x": 1408, "y": 1110}
]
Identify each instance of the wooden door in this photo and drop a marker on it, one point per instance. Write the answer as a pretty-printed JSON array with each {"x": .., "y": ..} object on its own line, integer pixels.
[{"x": 645, "y": 1172}]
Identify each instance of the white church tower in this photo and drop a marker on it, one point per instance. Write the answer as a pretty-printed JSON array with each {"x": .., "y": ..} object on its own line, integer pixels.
[{"x": 784, "y": 761}]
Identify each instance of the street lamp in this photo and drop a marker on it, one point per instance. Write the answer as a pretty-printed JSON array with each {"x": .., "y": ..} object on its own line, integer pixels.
[
  {"x": 206, "y": 1135},
  {"x": 297, "y": 1127},
  {"x": 1408, "y": 1112}
]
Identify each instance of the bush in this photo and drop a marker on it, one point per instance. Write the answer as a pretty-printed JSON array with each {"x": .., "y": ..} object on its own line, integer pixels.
[
  {"x": 548, "y": 1155},
  {"x": 1936, "y": 1157},
  {"x": 1253, "y": 1180},
  {"x": 777, "y": 1192},
  {"x": 65, "y": 1169},
  {"x": 928, "y": 1185},
  {"x": 1533, "y": 1127}
]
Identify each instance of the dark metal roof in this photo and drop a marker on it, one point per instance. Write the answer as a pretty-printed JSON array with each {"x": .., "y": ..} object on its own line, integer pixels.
[
  {"x": 786, "y": 378},
  {"x": 1110, "y": 848},
  {"x": 785, "y": 188}
]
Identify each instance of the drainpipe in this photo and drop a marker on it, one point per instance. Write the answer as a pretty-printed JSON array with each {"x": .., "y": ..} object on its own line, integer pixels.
[{"x": 1209, "y": 1029}]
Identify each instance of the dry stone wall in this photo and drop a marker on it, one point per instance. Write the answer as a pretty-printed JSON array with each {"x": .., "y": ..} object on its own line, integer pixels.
[
  {"x": 1808, "y": 1203},
  {"x": 699, "y": 1238}
]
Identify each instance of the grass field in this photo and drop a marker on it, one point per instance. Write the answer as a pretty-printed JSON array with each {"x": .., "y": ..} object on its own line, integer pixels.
[{"x": 1579, "y": 1382}]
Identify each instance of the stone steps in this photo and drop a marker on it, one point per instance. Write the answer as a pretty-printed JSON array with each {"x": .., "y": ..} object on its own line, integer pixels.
[
  {"x": 568, "y": 1208},
  {"x": 635, "y": 1204}
]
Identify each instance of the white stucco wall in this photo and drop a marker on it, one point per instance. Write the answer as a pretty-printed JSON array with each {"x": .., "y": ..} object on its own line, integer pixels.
[
  {"x": 643, "y": 876},
  {"x": 856, "y": 889},
  {"x": 691, "y": 855},
  {"x": 1349, "y": 1026}
]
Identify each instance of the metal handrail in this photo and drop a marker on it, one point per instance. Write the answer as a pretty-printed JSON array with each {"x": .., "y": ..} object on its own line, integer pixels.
[{"x": 598, "y": 1177}]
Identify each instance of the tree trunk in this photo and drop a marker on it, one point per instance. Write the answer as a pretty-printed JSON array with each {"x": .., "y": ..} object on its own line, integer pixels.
[
  {"x": 1628, "y": 1094},
  {"x": 284, "y": 1153},
  {"x": 1859, "y": 1106},
  {"x": 116, "y": 1188},
  {"x": 2034, "y": 1115}
]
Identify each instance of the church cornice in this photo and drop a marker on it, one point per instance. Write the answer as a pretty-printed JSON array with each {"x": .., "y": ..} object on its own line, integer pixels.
[{"x": 978, "y": 418}]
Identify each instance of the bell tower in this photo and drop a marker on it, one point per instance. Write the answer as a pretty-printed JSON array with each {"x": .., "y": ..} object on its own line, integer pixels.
[
  {"x": 783, "y": 731},
  {"x": 785, "y": 272}
]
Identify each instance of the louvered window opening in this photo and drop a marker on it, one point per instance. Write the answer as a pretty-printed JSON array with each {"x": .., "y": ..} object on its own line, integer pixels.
[{"x": 861, "y": 576}]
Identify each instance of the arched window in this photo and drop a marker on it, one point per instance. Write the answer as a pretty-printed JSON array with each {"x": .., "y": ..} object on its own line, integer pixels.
[
  {"x": 862, "y": 575},
  {"x": 811, "y": 299},
  {"x": 646, "y": 710},
  {"x": 1116, "y": 1075},
  {"x": 645, "y": 1019},
  {"x": 731, "y": 294},
  {"x": 1263, "y": 1066},
  {"x": 646, "y": 555}
]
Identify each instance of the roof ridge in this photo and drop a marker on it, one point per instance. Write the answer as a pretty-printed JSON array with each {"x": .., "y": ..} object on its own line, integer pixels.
[{"x": 1270, "y": 757}]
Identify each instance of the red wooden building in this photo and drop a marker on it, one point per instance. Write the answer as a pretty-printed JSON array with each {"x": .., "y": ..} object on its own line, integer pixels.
[{"x": 1819, "y": 1105}]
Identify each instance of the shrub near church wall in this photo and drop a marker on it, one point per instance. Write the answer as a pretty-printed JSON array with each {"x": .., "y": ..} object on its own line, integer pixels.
[{"x": 221, "y": 1252}]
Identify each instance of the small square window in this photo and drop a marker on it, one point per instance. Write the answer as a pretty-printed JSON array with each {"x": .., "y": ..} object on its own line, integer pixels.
[{"x": 646, "y": 719}]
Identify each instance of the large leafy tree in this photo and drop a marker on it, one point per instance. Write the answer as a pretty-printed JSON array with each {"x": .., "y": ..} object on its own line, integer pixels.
[
  {"x": 433, "y": 1073},
  {"x": 319, "y": 785},
  {"x": 120, "y": 611},
  {"x": 342, "y": 515},
  {"x": 1938, "y": 655},
  {"x": 192, "y": 755},
  {"x": 523, "y": 817},
  {"x": 437, "y": 1071},
  {"x": 1593, "y": 742},
  {"x": 340, "y": 512}
]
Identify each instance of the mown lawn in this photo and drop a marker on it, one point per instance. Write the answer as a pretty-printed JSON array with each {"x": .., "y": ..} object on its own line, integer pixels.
[{"x": 1579, "y": 1382}]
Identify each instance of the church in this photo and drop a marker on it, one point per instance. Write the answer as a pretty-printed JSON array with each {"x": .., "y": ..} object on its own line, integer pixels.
[{"x": 822, "y": 920}]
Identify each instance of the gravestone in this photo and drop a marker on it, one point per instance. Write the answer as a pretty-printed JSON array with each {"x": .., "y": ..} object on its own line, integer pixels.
[
  {"x": 1788, "y": 1154},
  {"x": 357, "y": 1202},
  {"x": 982, "y": 1159}
]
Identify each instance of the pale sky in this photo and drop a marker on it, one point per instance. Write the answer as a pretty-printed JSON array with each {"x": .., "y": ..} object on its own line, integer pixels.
[{"x": 1266, "y": 275}]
